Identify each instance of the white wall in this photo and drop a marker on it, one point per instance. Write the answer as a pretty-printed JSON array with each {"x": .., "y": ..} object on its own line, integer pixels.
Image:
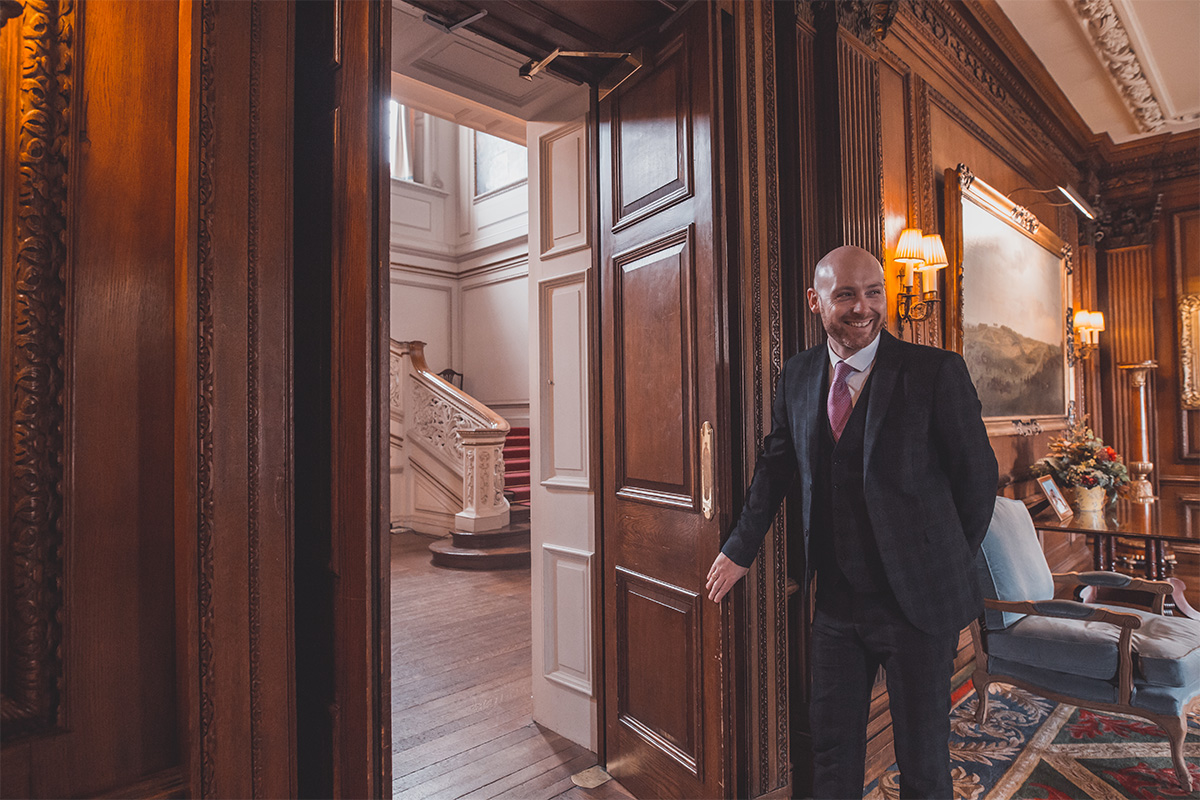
[
  {"x": 459, "y": 273},
  {"x": 563, "y": 502},
  {"x": 495, "y": 314}
]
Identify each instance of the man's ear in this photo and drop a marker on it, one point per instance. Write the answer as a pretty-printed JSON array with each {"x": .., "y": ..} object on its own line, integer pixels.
[{"x": 814, "y": 301}]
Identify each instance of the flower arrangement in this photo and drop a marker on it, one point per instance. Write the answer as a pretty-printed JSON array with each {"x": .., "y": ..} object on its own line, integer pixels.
[{"x": 1080, "y": 458}]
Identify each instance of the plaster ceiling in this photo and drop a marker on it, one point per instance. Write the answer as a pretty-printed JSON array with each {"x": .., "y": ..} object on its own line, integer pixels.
[{"x": 1131, "y": 68}]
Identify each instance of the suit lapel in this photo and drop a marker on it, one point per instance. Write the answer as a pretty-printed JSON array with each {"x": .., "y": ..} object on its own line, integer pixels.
[{"x": 883, "y": 381}]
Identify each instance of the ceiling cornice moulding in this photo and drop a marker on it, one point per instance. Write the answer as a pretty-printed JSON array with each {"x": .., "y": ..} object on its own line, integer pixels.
[{"x": 1106, "y": 30}]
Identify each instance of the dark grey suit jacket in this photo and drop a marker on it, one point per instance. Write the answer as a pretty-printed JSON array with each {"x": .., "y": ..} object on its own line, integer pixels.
[{"x": 930, "y": 474}]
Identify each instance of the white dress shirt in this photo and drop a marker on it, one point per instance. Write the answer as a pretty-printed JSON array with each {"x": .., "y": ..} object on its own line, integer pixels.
[{"x": 863, "y": 361}]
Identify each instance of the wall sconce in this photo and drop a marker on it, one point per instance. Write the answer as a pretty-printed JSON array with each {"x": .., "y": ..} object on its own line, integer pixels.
[
  {"x": 925, "y": 254},
  {"x": 1088, "y": 325}
]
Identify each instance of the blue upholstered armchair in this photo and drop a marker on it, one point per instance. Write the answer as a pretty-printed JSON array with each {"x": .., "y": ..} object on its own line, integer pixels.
[{"x": 1103, "y": 657}]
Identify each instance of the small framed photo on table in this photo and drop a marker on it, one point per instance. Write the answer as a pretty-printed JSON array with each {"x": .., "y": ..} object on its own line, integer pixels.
[{"x": 1055, "y": 496}]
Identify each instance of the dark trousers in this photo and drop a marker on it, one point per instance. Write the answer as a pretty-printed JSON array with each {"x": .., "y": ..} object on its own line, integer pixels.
[{"x": 850, "y": 640}]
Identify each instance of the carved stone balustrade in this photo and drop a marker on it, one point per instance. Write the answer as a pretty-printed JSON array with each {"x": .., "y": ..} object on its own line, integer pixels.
[
  {"x": 447, "y": 463},
  {"x": 484, "y": 506}
]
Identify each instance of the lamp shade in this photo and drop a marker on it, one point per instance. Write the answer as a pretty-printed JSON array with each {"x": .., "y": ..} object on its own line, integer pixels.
[
  {"x": 1097, "y": 320},
  {"x": 1083, "y": 320},
  {"x": 934, "y": 252},
  {"x": 910, "y": 250}
]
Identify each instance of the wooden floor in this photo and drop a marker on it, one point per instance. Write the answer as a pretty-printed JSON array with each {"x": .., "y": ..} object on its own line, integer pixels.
[{"x": 461, "y": 689}]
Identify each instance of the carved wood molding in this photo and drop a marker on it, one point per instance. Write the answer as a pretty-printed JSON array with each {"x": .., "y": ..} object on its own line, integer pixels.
[
  {"x": 30, "y": 701},
  {"x": 760, "y": 768},
  {"x": 944, "y": 24},
  {"x": 253, "y": 427},
  {"x": 964, "y": 119},
  {"x": 1131, "y": 171},
  {"x": 1128, "y": 225},
  {"x": 204, "y": 400},
  {"x": 769, "y": 754},
  {"x": 868, "y": 20}
]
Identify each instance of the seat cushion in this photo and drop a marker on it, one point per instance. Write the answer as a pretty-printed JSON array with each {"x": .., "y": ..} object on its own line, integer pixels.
[
  {"x": 1011, "y": 564},
  {"x": 1070, "y": 646},
  {"x": 1168, "y": 701},
  {"x": 1166, "y": 649}
]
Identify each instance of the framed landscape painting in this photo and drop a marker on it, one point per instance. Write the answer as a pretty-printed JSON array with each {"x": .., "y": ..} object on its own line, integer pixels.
[{"x": 1008, "y": 307}]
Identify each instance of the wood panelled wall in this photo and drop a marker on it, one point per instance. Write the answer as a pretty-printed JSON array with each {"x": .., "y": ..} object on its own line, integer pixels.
[
  {"x": 900, "y": 92},
  {"x": 147, "y": 447},
  {"x": 1148, "y": 252}
]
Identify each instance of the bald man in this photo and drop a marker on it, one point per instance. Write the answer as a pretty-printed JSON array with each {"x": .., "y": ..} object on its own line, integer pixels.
[{"x": 897, "y": 481}]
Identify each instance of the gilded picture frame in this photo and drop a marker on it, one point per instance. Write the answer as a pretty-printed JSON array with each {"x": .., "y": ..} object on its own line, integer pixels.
[{"x": 1008, "y": 307}]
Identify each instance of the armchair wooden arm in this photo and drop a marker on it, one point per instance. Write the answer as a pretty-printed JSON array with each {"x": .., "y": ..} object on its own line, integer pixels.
[
  {"x": 1069, "y": 609},
  {"x": 1159, "y": 591}
]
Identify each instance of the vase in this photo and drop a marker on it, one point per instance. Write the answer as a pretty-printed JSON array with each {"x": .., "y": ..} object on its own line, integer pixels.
[{"x": 1089, "y": 499}]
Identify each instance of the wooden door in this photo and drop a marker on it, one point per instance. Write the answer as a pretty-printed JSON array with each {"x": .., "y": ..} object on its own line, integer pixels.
[{"x": 662, "y": 328}]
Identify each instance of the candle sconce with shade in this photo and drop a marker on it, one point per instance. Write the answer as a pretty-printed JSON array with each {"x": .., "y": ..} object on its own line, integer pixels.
[{"x": 924, "y": 254}]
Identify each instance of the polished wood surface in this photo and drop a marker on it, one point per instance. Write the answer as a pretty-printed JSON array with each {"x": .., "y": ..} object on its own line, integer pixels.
[
  {"x": 1152, "y": 528},
  {"x": 461, "y": 683},
  {"x": 1169, "y": 521},
  {"x": 87, "y": 290},
  {"x": 666, "y": 732}
]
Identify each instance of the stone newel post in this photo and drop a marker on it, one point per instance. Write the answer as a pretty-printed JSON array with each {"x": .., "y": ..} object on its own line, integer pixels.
[{"x": 484, "y": 505}]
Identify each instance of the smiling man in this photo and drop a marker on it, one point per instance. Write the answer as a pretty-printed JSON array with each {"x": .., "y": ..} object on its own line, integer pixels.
[{"x": 897, "y": 480}]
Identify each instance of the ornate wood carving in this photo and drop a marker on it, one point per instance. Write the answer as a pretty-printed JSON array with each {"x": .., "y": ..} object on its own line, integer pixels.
[
  {"x": 867, "y": 19},
  {"x": 204, "y": 399},
  {"x": 254, "y": 478},
  {"x": 775, "y": 326},
  {"x": 956, "y": 38},
  {"x": 767, "y": 715},
  {"x": 34, "y": 532},
  {"x": 1129, "y": 225}
]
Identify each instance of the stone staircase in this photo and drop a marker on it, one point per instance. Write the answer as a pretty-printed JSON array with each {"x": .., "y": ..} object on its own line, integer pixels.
[{"x": 504, "y": 548}]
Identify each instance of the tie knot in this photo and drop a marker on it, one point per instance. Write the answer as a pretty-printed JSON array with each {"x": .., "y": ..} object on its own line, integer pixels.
[{"x": 842, "y": 371}]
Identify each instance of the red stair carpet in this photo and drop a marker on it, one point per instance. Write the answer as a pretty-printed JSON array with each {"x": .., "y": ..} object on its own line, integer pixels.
[{"x": 516, "y": 465}]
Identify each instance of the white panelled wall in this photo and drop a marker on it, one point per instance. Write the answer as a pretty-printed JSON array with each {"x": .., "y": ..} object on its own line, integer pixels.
[
  {"x": 459, "y": 267},
  {"x": 563, "y": 503}
]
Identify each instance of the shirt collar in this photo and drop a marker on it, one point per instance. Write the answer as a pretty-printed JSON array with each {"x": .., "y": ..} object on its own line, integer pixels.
[{"x": 861, "y": 360}]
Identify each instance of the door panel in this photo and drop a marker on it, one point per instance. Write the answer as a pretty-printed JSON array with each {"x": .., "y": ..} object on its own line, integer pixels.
[
  {"x": 665, "y": 714},
  {"x": 651, "y": 138},
  {"x": 654, "y": 372}
]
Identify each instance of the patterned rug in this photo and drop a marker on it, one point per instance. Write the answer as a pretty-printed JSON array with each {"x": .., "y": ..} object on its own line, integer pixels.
[{"x": 1034, "y": 749}]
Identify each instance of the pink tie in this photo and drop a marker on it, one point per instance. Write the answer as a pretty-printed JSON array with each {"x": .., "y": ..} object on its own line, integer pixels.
[{"x": 839, "y": 405}]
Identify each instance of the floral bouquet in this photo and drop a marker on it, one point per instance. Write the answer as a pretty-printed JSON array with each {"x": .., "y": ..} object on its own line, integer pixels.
[{"x": 1081, "y": 459}]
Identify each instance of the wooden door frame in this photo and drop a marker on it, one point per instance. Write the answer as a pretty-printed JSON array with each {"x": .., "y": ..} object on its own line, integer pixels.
[{"x": 360, "y": 718}]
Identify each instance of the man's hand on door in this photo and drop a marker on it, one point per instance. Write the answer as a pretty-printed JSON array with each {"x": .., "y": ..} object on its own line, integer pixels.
[{"x": 722, "y": 575}]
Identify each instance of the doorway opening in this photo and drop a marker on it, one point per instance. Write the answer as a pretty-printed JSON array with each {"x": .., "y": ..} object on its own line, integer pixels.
[{"x": 471, "y": 344}]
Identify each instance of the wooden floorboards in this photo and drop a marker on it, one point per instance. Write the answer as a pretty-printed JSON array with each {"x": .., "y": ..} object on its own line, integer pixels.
[{"x": 462, "y": 723}]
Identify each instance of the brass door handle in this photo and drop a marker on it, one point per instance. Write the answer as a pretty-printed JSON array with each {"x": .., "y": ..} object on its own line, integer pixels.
[{"x": 707, "y": 468}]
